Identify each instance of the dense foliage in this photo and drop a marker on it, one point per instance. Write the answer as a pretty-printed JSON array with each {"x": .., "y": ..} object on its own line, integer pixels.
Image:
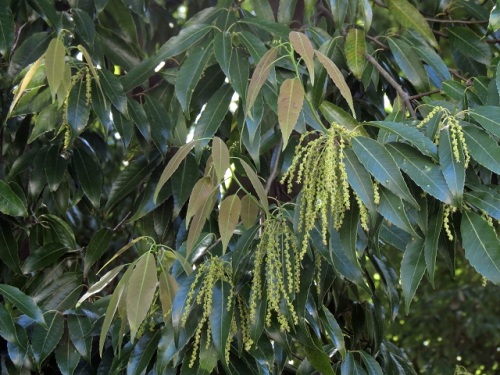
[{"x": 249, "y": 187}]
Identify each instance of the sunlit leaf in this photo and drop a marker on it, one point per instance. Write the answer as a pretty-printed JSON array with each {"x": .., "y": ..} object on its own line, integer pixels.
[
  {"x": 302, "y": 45},
  {"x": 483, "y": 148},
  {"x": 488, "y": 117},
  {"x": 11, "y": 203},
  {"x": 249, "y": 211},
  {"x": 54, "y": 64},
  {"x": 412, "y": 269},
  {"x": 259, "y": 76},
  {"x": 257, "y": 185},
  {"x": 44, "y": 256},
  {"x": 355, "y": 48},
  {"x": 229, "y": 214},
  {"x": 290, "y": 102},
  {"x": 221, "y": 317},
  {"x": 466, "y": 42}
]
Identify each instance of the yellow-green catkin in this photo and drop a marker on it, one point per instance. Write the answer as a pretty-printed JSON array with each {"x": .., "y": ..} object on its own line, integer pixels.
[
  {"x": 245, "y": 323},
  {"x": 319, "y": 166},
  {"x": 208, "y": 274},
  {"x": 88, "y": 87},
  {"x": 429, "y": 117},
  {"x": 448, "y": 210},
  {"x": 275, "y": 251}
]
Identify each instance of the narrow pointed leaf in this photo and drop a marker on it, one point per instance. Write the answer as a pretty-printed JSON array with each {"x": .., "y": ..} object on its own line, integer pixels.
[
  {"x": 97, "y": 247},
  {"x": 410, "y": 64},
  {"x": 9, "y": 253},
  {"x": 11, "y": 203},
  {"x": 355, "y": 48},
  {"x": 140, "y": 292},
  {"x": 239, "y": 72},
  {"x": 101, "y": 284},
  {"x": 160, "y": 123},
  {"x": 143, "y": 352},
  {"x": 114, "y": 90},
  {"x": 54, "y": 64},
  {"x": 45, "y": 339},
  {"x": 431, "y": 242},
  {"x": 302, "y": 45},
  {"x": 220, "y": 317},
  {"x": 392, "y": 208},
  {"x": 55, "y": 167},
  {"x": 7, "y": 327},
  {"x": 183, "y": 181},
  {"x": 453, "y": 169},
  {"x": 334, "y": 331},
  {"x": 80, "y": 333},
  {"x": 249, "y": 211},
  {"x": 465, "y": 41},
  {"x": 89, "y": 174},
  {"x": 168, "y": 289},
  {"x": 290, "y": 101},
  {"x": 84, "y": 25},
  {"x": 78, "y": 110},
  {"x": 229, "y": 214},
  {"x": 483, "y": 148},
  {"x": 486, "y": 202},
  {"x": 257, "y": 185},
  {"x": 259, "y": 76},
  {"x": 172, "y": 166},
  {"x": 412, "y": 269},
  {"x": 44, "y": 256},
  {"x": 421, "y": 170},
  {"x": 408, "y": 16},
  {"x": 202, "y": 190},
  {"x": 24, "y": 83},
  {"x": 338, "y": 78},
  {"x": 371, "y": 364},
  {"x": 220, "y": 157},
  {"x": 377, "y": 160},
  {"x": 6, "y": 30},
  {"x": 67, "y": 357},
  {"x": 222, "y": 50},
  {"x": 481, "y": 245},
  {"x": 488, "y": 117},
  {"x": 199, "y": 220}
]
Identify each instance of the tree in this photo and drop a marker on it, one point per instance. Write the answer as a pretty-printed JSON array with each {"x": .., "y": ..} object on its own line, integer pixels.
[{"x": 255, "y": 186}]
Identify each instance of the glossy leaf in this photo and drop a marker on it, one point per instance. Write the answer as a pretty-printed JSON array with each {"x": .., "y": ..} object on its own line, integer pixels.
[
  {"x": 334, "y": 331},
  {"x": 355, "y": 49},
  {"x": 221, "y": 317},
  {"x": 290, "y": 101},
  {"x": 54, "y": 64},
  {"x": 249, "y": 211},
  {"x": 44, "y": 256},
  {"x": 97, "y": 247},
  {"x": 412, "y": 269},
  {"x": 483, "y": 148},
  {"x": 257, "y": 185},
  {"x": 9, "y": 253},
  {"x": 453, "y": 169},
  {"x": 302, "y": 45},
  {"x": 486, "y": 202},
  {"x": 7, "y": 327},
  {"x": 410, "y": 64},
  {"x": 201, "y": 192},
  {"x": 422, "y": 171},
  {"x": 198, "y": 222},
  {"x": 371, "y": 364},
  {"x": 140, "y": 291},
  {"x": 102, "y": 283},
  {"x": 85, "y": 25},
  {"x": 469, "y": 44},
  {"x": 6, "y": 30},
  {"x": 89, "y": 174},
  {"x": 45, "y": 339},
  {"x": 114, "y": 90},
  {"x": 183, "y": 181},
  {"x": 67, "y": 357},
  {"x": 143, "y": 352},
  {"x": 481, "y": 245},
  {"x": 78, "y": 109},
  {"x": 377, "y": 160},
  {"x": 338, "y": 78},
  {"x": 488, "y": 117},
  {"x": 229, "y": 215},
  {"x": 55, "y": 167},
  {"x": 392, "y": 208},
  {"x": 431, "y": 242},
  {"x": 220, "y": 157},
  {"x": 168, "y": 288},
  {"x": 172, "y": 166},
  {"x": 222, "y": 50},
  {"x": 259, "y": 76},
  {"x": 408, "y": 16},
  {"x": 24, "y": 83},
  {"x": 239, "y": 72},
  {"x": 11, "y": 203}
]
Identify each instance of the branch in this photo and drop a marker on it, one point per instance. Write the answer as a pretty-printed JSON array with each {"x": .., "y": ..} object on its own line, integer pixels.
[
  {"x": 379, "y": 3},
  {"x": 418, "y": 96},
  {"x": 404, "y": 96},
  {"x": 377, "y": 42},
  {"x": 274, "y": 168},
  {"x": 456, "y": 21}
]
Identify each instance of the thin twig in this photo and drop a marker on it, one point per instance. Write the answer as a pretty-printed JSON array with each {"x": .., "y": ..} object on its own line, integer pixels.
[
  {"x": 121, "y": 222},
  {"x": 379, "y": 3},
  {"x": 404, "y": 96},
  {"x": 274, "y": 169},
  {"x": 440, "y": 33},
  {"x": 418, "y": 96},
  {"x": 377, "y": 42},
  {"x": 456, "y": 21}
]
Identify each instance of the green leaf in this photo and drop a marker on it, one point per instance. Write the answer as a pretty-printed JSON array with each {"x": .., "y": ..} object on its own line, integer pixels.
[
  {"x": 259, "y": 77},
  {"x": 160, "y": 123},
  {"x": 377, "y": 160},
  {"x": 84, "y": 25},
  {"x": 172, "y": 166},
  {"x": 128, "y": 180},
  {"x": 114, "y": 90},
  {"x": 54, "y": 64},
  {"x": 9, "y": 253},
  {"x": 24, "y": 84},
  {"x": 222, "y": 50},
  {"x": 211, "y": 118},
  {"x": 28, "y": 52},
  {"x": 409, "y": 64},
  {"x": 89, "y": 174},
  {"x": 220, "y": 157},
  {"x": 143, "y": 352},
  {"x": 67, "y": 357},
  {"x": 484, "y": 201},
  {"x": 453, "y": 170},
  {"x": 140, "y": 292},
  {"x": 190, "y": 73},
  {"x": 78, "y": 110},
  {"x": 332, "y": 113},
  {"x": 494, "y": 21},
  {"x": 102, "y": 283},
  {"x": 45, "y": 339},
  {"x": 481, "y": 245},
  {"x": 257, "y": 185},
  {"x": 80, "y": 333},
  {"x": 138, "y": 115},
  {"x": 229, "y": 214},
  {"x": 47, "y": 120},
  {"x": 392, "y": 208},
  {"x": 408, "y": 16},
  {"x": 168, "y": 288},
  {"x": 359, "y": 179},
  {"x": 11, "y": 203},
  {"x": 421, "y": 170},
  {"x": 6, "y": 30},
  {"x": 271, "y": 27},
  {"x": 355, "y": 49},
  {"x": 55, "y": 167},
  {"x": 44, "y": 256},
  {"x": 410, "y": 134},
  {"x": 7, "y": 327},
  {"x": 338, "y": 78},
  {"x": 220, "y": 317},
  {"x": 202, "y": 191},
  {"x": 334, "y": 331},
  {"x": 97, "y": 247},
  {"x": 302, "y": 45},
  {"x": 371, "y": 364},
  {"x": 198, "y": 222},
  {"x": 431, "y": 242},
  {"x": 249, "y": 211},
  {"x": 412, "y": 269},
  {"x": 61, "y": 231},
  {"x": 239, "y": 72},
  {"x": 488, "y": 117},
  {"x": 482, "y": 148},
  {"x": 290, "y": 101},
  {"x": 465, "y": 41},
  {"x": 183, "y": 181}
]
